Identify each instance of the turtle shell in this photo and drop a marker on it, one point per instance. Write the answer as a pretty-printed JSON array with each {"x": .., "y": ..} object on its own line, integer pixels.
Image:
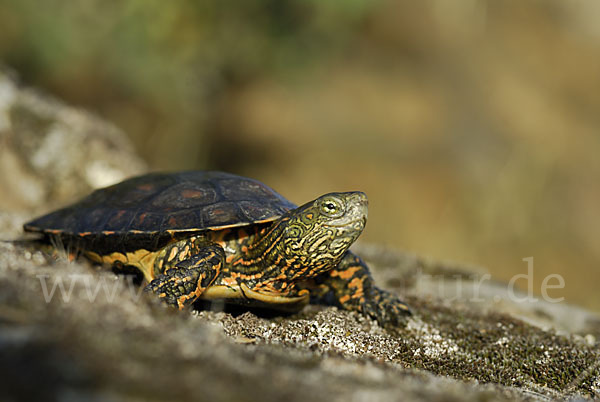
[{"x": 146, "y": 208}]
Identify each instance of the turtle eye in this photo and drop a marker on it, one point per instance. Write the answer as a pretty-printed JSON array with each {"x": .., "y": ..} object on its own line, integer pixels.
[{"x": 330, "y": 207}]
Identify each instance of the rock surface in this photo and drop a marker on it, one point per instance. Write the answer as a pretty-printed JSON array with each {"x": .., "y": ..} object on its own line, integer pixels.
[
  {"x": 71, "y": 330},
  {"x": 51, "y": 153}
]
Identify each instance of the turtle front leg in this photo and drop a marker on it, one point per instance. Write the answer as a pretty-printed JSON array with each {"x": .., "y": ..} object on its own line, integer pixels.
[
  {"x": 351, "y": 287},
  {"x": 189, "y": 268}
]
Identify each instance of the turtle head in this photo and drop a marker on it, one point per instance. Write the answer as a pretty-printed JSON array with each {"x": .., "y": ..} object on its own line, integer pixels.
[{"x": 317, "y": 234}]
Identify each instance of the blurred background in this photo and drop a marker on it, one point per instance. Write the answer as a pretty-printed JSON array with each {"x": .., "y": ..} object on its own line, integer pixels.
[{"x": 472, "y": 125}]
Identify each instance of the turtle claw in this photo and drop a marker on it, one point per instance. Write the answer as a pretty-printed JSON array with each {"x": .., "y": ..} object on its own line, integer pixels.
[
  {"x": 183, "y": 283},
  {"x": 176, "y": 288},
  {"x": 351, "y": 287},
  {"x": 384, "y": 307}
]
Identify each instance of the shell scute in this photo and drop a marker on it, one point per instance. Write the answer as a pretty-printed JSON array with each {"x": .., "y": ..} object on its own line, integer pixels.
[{"x": 184, "y": 196}]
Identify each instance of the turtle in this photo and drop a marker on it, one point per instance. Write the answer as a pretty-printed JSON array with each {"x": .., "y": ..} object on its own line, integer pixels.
[{"x": 215, "y": 235}]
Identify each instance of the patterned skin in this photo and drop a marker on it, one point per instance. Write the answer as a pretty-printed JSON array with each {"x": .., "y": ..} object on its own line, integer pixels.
[
  {"x": 213, "y": 235},
  {"x": 303, "y": 253}
]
